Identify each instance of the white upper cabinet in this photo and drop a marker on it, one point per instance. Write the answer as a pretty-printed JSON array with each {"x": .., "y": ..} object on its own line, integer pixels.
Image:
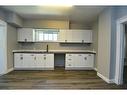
[
  {"x": 26, "y": 35},
  {"x": 62, "y": 36},
  {"x": 75, "y": 36}
]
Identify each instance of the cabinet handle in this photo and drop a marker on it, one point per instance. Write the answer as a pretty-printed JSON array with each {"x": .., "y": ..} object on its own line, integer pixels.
[
  {"x": 69, "y": 64},
  {"x": 85, "y": 58},
  {"x": 89, "y": 54},
  {"x": 21, "y": 58},
  {"x": 65, "y": 40},
  {"x": 44, "y": 58},
  {"x": 79, "y": 55},
  {"x": 82, "y": 41},
  {"x": 34, "y": 58},
  {"x": 69, "y": 59},
  {"x": 32, "y": 55},
  {"x": 25, "y": 40},
  {"x": 70, "y": 55}
]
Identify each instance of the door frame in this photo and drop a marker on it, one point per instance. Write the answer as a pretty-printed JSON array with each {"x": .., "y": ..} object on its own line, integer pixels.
[
  {"x": 120, "y": 30},
  {"x": 4, "y": 55}
]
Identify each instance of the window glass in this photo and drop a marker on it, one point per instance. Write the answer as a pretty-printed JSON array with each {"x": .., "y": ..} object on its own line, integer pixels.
[{"x": 46, "y": 34}]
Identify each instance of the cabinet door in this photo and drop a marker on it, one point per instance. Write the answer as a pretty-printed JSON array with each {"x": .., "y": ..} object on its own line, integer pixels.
[
  {"x": 39, "y": 62},
  {"x": 88, "y": 60},
  {"x": 49, "y": 60},
  {"x": 87, "y": 36},
  {"x": 28, "y": 60},
  {"x": 26, "y": 35},
  {"x": 62, "y": 36},
  {"x": 70, "y": 60},
  {"x": 79, "y": 60},
  {"x": 69, "y": 36},
  {"x": 18, "y": 60}
]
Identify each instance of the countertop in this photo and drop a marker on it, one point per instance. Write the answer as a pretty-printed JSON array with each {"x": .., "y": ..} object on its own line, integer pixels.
[{"x": 54, "y": 51}]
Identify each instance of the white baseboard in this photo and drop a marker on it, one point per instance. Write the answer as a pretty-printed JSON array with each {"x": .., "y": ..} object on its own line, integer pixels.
[
  {"x": 9, "y": 70},
  {"x": 34, "y": 68},
  {"x": 105, "y": 79},
  {"x": 95, "y": 69},
  {"x": 79, "y": 68}
]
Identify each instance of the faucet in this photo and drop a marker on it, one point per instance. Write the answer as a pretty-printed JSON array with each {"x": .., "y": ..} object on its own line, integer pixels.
[{"x": 47, "y": 48}]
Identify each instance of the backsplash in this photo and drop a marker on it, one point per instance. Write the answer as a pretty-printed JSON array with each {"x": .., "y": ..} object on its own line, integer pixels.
[{"x": 54, "y": 46}]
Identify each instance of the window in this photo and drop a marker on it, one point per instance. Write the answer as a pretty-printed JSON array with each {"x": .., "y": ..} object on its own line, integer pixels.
[{"x": 46, "y": 34}]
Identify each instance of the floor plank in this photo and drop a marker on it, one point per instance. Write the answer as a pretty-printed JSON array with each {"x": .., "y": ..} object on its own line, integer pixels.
[{"x": 57, "y": 79}]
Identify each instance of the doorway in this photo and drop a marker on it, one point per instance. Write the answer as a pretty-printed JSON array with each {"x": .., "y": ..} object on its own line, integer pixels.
[
  {"x": 3, "y": 48},
  {"x": 121, "y": 49},
  {"x": 125, "y": 56}
]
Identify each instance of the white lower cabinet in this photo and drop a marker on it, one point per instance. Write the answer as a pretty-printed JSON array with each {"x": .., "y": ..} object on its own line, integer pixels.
[
  {"x": 79, "y": 61},
  {"x": 33, "y": 61},
  {"x": 69, "y": 62},
  {"x": 44, "y": 61},
  {"x": 49, "y": 61},
  {"x": 39, "y": 63},
  {"x": 28, "y": 60},
  {"x": 18, "y": 60}
]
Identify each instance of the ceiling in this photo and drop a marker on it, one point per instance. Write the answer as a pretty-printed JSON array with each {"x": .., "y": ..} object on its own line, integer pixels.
[{"x": 80, "y": 14}]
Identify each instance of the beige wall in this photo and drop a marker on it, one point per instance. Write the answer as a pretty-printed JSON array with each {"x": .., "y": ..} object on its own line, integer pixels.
[
  {"x": 46, "y": 24},
  {"x": 54, "y": 46},
  {"x": 2, "y": 15},
  {"x": 95, "y": 40},
  {"x": 14, "y": 19},
  {"x": 11, "y": 44},
  {"x": 11, "y": 17},
  {"x": 104, "y": 42},
  {"x": 74, "y": 25}
]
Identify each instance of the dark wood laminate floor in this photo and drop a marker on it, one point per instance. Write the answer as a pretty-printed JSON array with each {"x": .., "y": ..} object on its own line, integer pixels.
[{"x": 57, "y": 79}]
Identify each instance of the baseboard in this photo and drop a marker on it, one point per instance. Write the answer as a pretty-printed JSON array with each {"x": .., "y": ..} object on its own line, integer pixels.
[
  {"x": 34, "y": 68},
  {"x": 95, "y": 69},
  {"x": 105, "y": 79},
  {"x": 9, "y": 70},
  {"x": 79, "y": 68}
]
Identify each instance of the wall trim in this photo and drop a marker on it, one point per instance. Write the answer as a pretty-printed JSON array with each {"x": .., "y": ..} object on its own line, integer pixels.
[
  {"x": 95, "y": 69},
  {"x": 9, "y": 70},
  {"x": 79, "y": 68},
  {"x": 105, "y": 79}
]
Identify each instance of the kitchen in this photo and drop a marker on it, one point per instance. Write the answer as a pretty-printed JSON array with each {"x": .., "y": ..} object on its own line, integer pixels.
[{"x": 54, "y": 42}]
